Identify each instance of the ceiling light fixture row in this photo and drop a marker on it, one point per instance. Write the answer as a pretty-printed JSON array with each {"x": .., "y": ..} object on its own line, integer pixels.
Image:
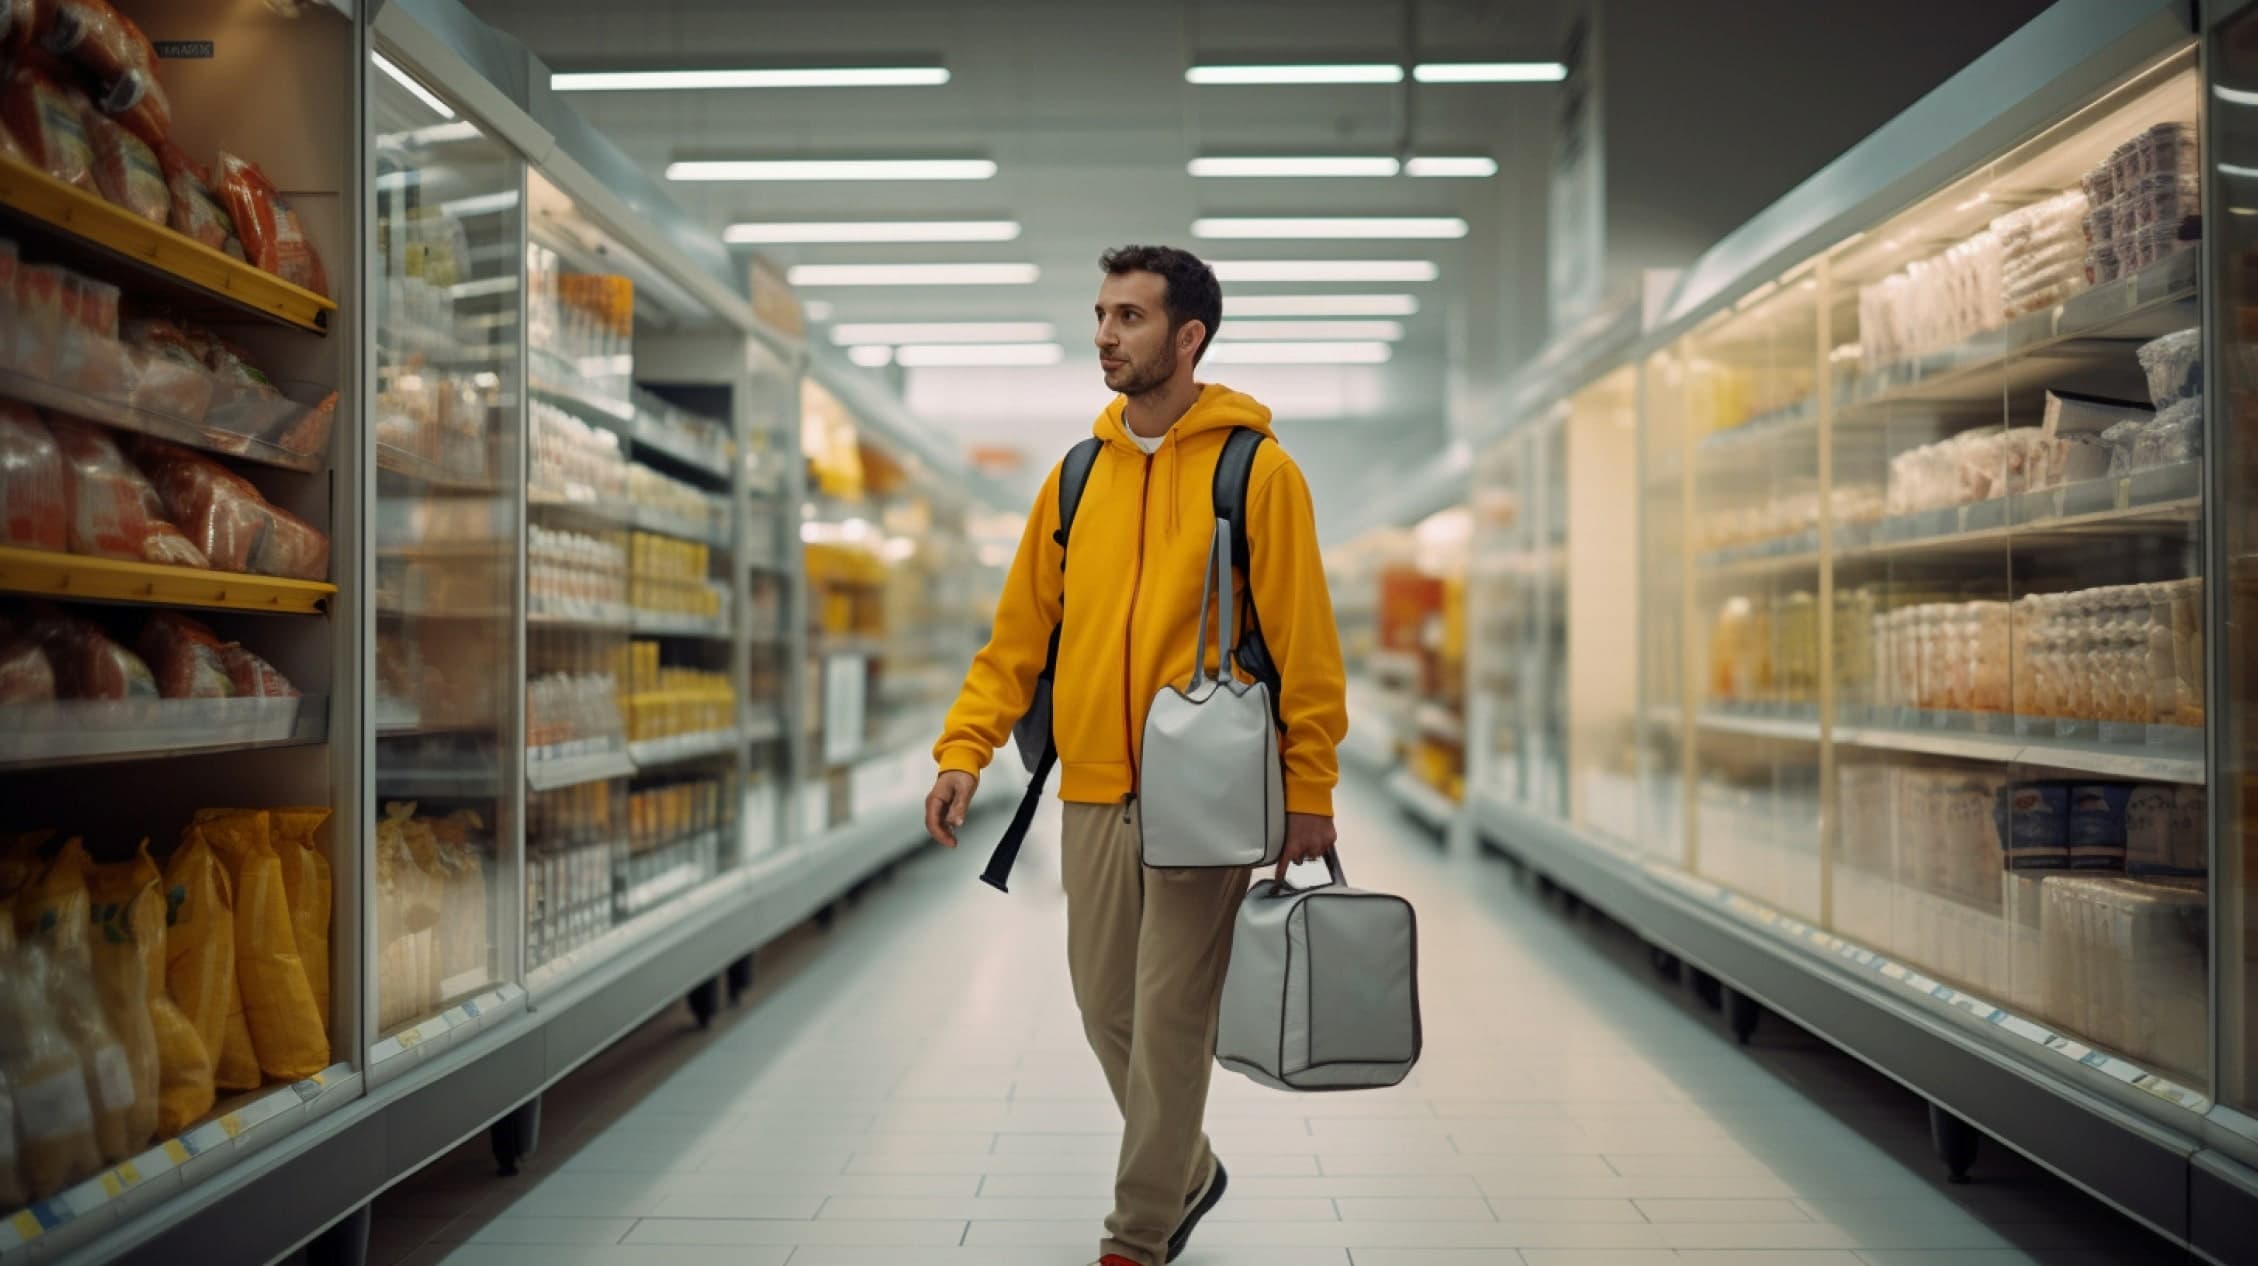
[
  {"x": 724, "y": 78},
  {"x": 1352, "y": 167},
  {"x": 1379, "y": 73}
]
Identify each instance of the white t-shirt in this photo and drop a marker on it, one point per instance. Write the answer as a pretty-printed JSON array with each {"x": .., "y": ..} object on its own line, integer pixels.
[{"x": 1150, "y": 443}]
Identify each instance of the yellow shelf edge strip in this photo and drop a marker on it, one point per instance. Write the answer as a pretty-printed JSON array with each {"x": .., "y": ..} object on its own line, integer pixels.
[
  {"x": 72, "y": 210},
  {"x": 68, "y": 576}
]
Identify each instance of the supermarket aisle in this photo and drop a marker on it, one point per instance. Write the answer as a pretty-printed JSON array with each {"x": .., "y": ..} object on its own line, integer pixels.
[{"x": 911, "y": 1088}]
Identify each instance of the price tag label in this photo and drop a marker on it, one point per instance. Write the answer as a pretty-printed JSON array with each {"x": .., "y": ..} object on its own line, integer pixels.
[{"x": 184, "y": 50}]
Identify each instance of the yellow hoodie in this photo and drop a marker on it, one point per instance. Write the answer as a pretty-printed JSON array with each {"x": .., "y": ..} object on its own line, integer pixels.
[{"x": 1140, "y": 542}]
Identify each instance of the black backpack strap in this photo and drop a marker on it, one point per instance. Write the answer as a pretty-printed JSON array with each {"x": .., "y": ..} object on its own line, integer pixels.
[
  {"x": 1073, "y": 477},
  {"x": 1234, "y": 473}
]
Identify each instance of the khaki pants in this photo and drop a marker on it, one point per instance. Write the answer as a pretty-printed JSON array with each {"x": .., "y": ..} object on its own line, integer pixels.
[{"x": 1147, "y": 950}]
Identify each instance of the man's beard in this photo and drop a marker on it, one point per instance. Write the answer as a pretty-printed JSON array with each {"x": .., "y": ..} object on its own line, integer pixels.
[{"x": 1152, "y": 378}]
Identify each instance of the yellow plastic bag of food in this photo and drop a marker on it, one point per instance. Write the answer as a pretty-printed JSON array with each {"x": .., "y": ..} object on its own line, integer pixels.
[
  {"x": 54, "y": 1120},
  {"x": 200, "y": 956},
  {"x": 21, "y": 860},
  {"x": 286, "y": 1031},
  {"x": 129, "y": 911},
  {"x": 53, "y": 908},
  {"x": 13, "y": 1193},
  {"x": 306, "y": 881}
]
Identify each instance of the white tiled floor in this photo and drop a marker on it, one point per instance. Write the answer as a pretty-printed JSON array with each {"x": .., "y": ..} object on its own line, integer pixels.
[{"x": 911, "y": 1089}]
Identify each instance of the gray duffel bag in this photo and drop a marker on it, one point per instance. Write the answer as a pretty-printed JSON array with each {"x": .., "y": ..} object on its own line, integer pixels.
[{"x": 1323, "y": 988}]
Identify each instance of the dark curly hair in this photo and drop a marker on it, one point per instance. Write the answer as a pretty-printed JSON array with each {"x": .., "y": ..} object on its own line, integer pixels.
[{"x": 1190, "y": 292}]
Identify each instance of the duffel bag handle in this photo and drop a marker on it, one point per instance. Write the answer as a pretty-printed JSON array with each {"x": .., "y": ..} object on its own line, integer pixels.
[{"x": 1332, "y": 867}]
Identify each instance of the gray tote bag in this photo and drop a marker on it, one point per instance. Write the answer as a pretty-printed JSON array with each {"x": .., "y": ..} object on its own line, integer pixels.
[
  {"x": 1323, "y": 988},
  {"x": 1213, "y": 792}
]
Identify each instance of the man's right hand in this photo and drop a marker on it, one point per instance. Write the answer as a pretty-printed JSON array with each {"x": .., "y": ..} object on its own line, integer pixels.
[{"x": 945, "y": 807}]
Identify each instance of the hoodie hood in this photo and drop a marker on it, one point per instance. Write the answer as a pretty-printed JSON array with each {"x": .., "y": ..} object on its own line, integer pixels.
[{"x": 1218, "y": 409}]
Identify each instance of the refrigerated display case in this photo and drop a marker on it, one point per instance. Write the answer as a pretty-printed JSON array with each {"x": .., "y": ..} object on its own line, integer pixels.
[
  {"x": 445, "y": 638},
  {"x": 1905, "y": 493}
]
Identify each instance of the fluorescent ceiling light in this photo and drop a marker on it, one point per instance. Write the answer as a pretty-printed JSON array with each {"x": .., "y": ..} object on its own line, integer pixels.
[
  {"x": 775, "y": 77},
  {"x": 1489, "y": 72},
  {"x": 2238, "y": 96},
  {"x": 896, "y": 332},
  {"x": 1229, "y": 353},
  {"x": 1305, "y": 331},
  {"x": 913, "y": 274},
  {"x": 978, "y": 355},
  {"x": 1235, "y": 306},
  {"x": 480, "y": 204},
  {"x": 872, "y": 357},
  {"x": 1468, "y": 168},
  {"x": 1325, "y": 270},
  {"x": 780, "y": 233},
  {"x": 1313, "y": 167},
  {"x": 832, "y": 169},
  {"x": 1362, "y": 73},
  {"x": 1327, "y": 227},
  {"x": 420, "y": 92}
]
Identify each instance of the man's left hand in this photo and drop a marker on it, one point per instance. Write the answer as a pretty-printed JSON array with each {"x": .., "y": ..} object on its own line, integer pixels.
[{"x": 1309, "y": 837}]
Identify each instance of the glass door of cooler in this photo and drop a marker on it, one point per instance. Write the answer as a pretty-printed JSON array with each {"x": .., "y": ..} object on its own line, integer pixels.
[
  {"x": 1665, "y": 525},
  {"x": 1599, "y": 562},
  {"x": 770, "y": 545},
  {"x": 1499, "y": 603},
  {"x": 447, "y": 389}
]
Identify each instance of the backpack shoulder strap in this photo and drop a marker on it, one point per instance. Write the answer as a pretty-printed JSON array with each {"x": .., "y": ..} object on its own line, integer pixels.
[
  {"x": 1073, "y": 477},
  {"x": 1233, "y": 472}
]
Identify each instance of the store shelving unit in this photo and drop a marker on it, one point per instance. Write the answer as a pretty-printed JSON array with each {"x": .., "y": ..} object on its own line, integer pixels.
[
  {"x": 1860, "y": 683},
  {"x": 459, "y": 820}
]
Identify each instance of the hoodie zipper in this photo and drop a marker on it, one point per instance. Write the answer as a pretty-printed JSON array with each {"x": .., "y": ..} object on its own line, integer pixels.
[{"x": 1128, "y": 642}]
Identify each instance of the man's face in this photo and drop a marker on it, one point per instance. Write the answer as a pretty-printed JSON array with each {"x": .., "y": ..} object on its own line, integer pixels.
[{"x": 1136, "y": 349}]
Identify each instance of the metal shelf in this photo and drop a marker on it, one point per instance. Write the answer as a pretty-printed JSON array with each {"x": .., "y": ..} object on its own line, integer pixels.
[
  {"x": 74, "y": 577},
  {"x": 73, "y": 732},
  {"x": 2150, "y": 763},
  {"x": 2068, "y": 517},
  {"x": 659, "y": 624},
  {"x": 154, "y": 258},
  {"x": 555, "y": 773},
  {"x": 409, "y": 466},
  {"x": 658, "y": 753}
]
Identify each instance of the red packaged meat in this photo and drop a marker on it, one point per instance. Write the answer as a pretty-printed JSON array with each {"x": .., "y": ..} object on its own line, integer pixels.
[
  {"x": 89, "y": 357},
  {"x": 95, "y": 36},
  {"x": 25, "y": 674},
  {"x": 33, "y": 511},
  {"x": 126, "y": 170},
  {"x": 253, "y": 678},
  {"x": 166, "y": 375},
  {"x": 244, "y": 400},
  {"x": 48, "y": 120},
  {"x": 138, "y": 102},
  {"x": 224, "y": 514},
  {"x": 39, "y": 316},
  {"x": 308, "y": 436},
  {"x": 189, "y": 660},
  {"x": 196, "y": 210},
  {"x": 273, "y": 237},
  {"x": 114, "y": 513},
  {"x": 88, "y": 665}
]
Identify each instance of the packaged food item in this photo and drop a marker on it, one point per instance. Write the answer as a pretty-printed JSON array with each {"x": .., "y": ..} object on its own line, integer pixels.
[
  {"x": 233, "y": 524},
  {"x": 308, "y": 435},
  {"x": 188, "y": 659},
  {"x": 167, "y": 375},
  {"x": 38, "y": 341},
  {"x": 2033, "y": 824},
  {"x": 110, "y": 1088},
  {"x": 126, "y": 170},
  {"x": 25, "y": 674},
  {"x": 54, "y": 1131},
  {"x": 273, "y": 237},
  {"x": 195, "y": 210},
  {"x": 2174, "y": 364},
  {"x": 54, "y": 908},
  {"x": 97, "y": 37},
  {"x": 115, "y": 513},
  {"x": 464, "y": 947},
  {"x": 129, "y": 907},
  {"x": 250, "y": 677},
  {"x": 200, "y": 945},
  {"x": 87, "y": 664},
  {"x": 48, "y": 120},
  {"x": 22, "y": 856},
  {"x": 13, "y": 1193},
  {"x": 408, "y": 908},
  {"x": 33, "y": 511},
  {"x": 2097, "y": 825},
  {"x": 306, "y": 882},
  {"x": 89, "y": 359},
  {"x": 287, "y": 1032}
]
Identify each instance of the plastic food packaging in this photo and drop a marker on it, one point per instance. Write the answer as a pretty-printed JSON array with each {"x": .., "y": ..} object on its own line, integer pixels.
[
  {"x": 306, "y": 882},
  {"x": 25, "y": 674},
  {"x": 2032, "y": 821},
  {"x": 287, "y": 1032},
  {"x": 2097, "y": 825},
  {"x": 250, "y": 677},
  {"x": 54, "y": 1131},
  {"x": 54, "y": 908},
  {"x": 88, "y": 665},
  {"x": 166, "y": 377},
  {"x": 126, "y": 169},
  {"x": 114, "y": 51},
  {"x": 113, "y": 1082},
  {"x": 308, "y": 435},
  {"x": 114, "y": 511},
  {"x": 463, "y": 932},
  {"x": 89, "y": 358},
  {"x": 129, "y": 899},
  {"x": 48, "y": 121},
  {"x": 2125, "y": 965},
  {"x": 194, "y": 209},
  {"x": 2174, "y": 364},
  {"x": 34, "y": 514},
  {"x": 273, "y": 237},
  {"x": 200, "y": 945},
  {"x": 186, "y": 658},
  {"x": 225, "y": 515}
]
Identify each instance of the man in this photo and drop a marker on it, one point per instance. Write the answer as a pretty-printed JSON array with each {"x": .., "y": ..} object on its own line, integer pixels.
[{"x": 1147, "y": 949}]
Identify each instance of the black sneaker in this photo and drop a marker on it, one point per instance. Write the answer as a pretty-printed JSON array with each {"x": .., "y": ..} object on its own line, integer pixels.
[{"x": 1208, "y": 1200}]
